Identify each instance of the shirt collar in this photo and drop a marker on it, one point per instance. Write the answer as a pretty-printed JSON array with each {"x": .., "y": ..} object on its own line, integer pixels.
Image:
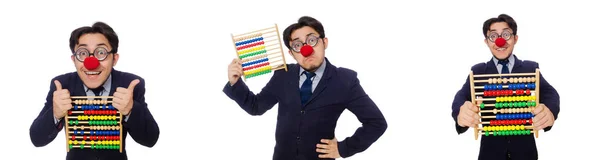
[
  {"x": 511, "y": 60},
  {"x": 319, "y": 72},
  {"x": 106, "y": 85}
]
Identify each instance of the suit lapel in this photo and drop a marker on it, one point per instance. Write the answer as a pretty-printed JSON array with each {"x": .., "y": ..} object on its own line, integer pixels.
[
  {"x": 329, "y": 70},
  {"x": 79, "y": 90},
  {"x": 518, "y": 64},
  {"x": 113, "y": 84}
]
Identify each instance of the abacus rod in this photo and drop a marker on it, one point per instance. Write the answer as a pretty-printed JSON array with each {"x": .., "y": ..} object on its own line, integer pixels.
[
  {"x": 87, "y": 122},
  {"x": 491, "y": 132},
  {"x": 526, "y": 127},
  {"x": 251, "y": 32},
  {"x": 514, "y": 92},
  {"x": 107, "y": 102},
  {"x": 487, "y": 117},
  {"x": 502, "y": 82},
  {"x": 93, "y": 127},
  {"x": 82, "y": 112},
  {"x": 482, "y": 87},
  {"x": 247, "y": 37},
  {"x": 280, "y": 47},
  {"x": 87, "y": 116},
  {"x": 85, "y": 97},
  {"x": 488, "y": 122},
  {"x": 499, "y": 75},
  {"x": 100, "y": 138},
  {"x": 525, "y": 109}
]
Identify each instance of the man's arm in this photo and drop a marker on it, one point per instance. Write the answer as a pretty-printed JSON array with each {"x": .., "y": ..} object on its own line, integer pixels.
[
  {"x": 459, "y": 99},
  {"x": 140, "y": 123},
  {"x": 45, "y": 127},
  {"x": 549, "y": 97},
  {"x": 253, "y": 104},
  {"x": 367, "y": 112}
]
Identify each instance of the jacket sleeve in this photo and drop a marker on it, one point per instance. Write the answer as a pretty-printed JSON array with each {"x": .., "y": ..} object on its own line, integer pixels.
[
  {"x": 43, "y": 130},
  {"x": 253, "y": 104},
  {"x": 367, "y": 112},
  {"x": 141, "y": 125},
  {"x": 549, "y": 97}
]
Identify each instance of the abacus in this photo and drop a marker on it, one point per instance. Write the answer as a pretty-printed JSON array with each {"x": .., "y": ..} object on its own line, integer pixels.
[
  {"x": 93, "y": 123},
  {"x": 505, "y": 102},
  {"x": 260, "y": 51}
]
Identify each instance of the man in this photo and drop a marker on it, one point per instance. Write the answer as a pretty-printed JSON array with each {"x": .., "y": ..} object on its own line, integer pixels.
[
  {"x": 309, "y": 107},
  {"x": 501, "y": 36},
  {"x": 95, "y": 76}
]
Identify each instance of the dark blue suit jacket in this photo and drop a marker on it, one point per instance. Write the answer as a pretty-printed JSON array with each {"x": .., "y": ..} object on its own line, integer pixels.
[
  {"x": 141, "y": 124},
  {"x": 519, "y": 147},
  {"x": 300, "y": 128}
]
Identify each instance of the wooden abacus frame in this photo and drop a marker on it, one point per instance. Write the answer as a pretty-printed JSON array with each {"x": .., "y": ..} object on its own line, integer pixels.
[
  {"x": 94, "y": 101},
  {"x": 474, "y": 100},
  {"x": 268, "y": 52}
]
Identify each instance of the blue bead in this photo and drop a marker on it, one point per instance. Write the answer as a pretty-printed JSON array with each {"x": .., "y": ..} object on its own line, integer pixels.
[
  {"x": 485, "y": 87},
  {"x": 500, "y": 116},
  {"x": 511, "y": 86},
  {"x": 533, "y": 86}
]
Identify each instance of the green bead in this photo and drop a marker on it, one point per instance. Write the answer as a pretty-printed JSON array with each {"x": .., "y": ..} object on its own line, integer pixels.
[
  {"x": 487, "y": 133},
  {"x": 482, "y": 105},
  {"x": 70, "y": 146},
  {"x": 505, "y": 105},
  {"x": 82, "y": 146},
  {"x": 76, "y": 122}
]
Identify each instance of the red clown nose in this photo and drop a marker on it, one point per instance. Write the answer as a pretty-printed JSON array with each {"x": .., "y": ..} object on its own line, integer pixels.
[
  {"x": 306, "y": 50},
  {"x": 91, "y": 63},
  {"x": 500, "y": 42}
]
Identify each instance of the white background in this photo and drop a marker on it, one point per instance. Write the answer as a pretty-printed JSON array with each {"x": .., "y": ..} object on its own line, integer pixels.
[{"x": 411, "y": 57}]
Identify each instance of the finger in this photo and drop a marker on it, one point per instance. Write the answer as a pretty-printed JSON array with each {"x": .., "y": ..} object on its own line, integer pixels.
[
  {"x": 117, "y": 96},
  {"x": 325, "y": 141},
  {"x": 469, "y": 113},
  {"x": 322, "y": 151},
  {"x": 539, "y": 124},
  {"x": 538, "y": 117},
  {"x": 472, "y": 107},
  {"x": 538, "y": 110},
  {"x": 133, "y": 84},
  {"x": 323, "y": 146},
  {"x": 121, "y": 90},
  {"x": 325, "y": 156},
  {"x": 63, "y": 95},
  {"x": 58, "y": 85}
]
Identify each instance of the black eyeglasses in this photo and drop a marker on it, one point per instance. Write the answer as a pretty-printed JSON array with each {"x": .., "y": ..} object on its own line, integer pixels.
[
  {"x": 505, "y": 34},
  {"x": 311, "y": 40},
  {"x": 100, "y": 53}
]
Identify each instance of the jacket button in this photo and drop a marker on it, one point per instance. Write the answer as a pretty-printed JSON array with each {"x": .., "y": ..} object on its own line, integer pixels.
[{"x": 302, "y": 112}]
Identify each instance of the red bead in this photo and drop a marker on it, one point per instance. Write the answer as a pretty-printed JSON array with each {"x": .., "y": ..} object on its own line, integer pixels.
[
  {"x": 73, "y": 137},
  {"x": 115, "y": 112},
  {"x": 70, "y": 112},
  {"x": 485, "y": 93},
  {"x": 528, "y": 92},
  {"x": 492, "y": 123}
]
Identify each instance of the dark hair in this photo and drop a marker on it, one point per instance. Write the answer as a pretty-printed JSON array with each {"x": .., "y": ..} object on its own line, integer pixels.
[
  {"x": 501, "y": 18},
  {"x": 98, "y": 27},
  {"x": 302, "y": 22}
]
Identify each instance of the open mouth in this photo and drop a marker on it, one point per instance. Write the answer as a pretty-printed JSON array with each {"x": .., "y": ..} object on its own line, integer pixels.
[
  {"x": 92, "y": 73},
  {"x": 501, "y": 49}
]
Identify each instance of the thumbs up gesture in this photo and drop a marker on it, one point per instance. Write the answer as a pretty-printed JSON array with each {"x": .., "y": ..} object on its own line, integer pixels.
[
  {"x": 123, "y": 98},
  {"x": 61, "y": 101}
]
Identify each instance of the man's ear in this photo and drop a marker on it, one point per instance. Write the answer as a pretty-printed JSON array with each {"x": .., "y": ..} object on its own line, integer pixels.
[
  {"x": 73, "y": 58},
  {"x": 516, "y": 38},
  {"x": 325, "y": 42},
  {"x": 115, "y": 59}
]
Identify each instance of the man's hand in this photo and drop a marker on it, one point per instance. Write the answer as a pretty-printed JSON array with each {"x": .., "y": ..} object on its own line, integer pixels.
[
  {"x": 468, "y": 117},
  {"x": 123, "y": 98},
  {"x": 61, "y": 101},
  {"x": 543, "y": 117},
  {"x": 235, "y": 71},
  {"x": 329, "y": 148}
]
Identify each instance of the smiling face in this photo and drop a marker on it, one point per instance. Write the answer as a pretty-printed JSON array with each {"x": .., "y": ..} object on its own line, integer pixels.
[
  {"x": 501, "y": 31},
  {"x": 314, "y": 59},
  {"x": 94, "y": 77}
]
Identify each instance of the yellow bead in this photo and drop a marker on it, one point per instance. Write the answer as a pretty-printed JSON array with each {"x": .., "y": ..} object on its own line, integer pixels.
[{"x": 70, "y": 141}]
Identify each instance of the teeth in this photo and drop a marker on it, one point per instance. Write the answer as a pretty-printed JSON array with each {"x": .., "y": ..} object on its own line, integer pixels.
[
  {"x": 92, "y": 73},
  {"x": 501, "y": 49}
]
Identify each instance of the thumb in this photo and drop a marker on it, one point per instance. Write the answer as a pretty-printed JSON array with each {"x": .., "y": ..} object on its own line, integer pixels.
[
  {"x": 133, "y": 84},
  {"x": 58, "y": 85}
]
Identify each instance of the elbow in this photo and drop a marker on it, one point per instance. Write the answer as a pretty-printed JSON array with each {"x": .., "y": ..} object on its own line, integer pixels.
[{"x": 37, "y": 140}]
